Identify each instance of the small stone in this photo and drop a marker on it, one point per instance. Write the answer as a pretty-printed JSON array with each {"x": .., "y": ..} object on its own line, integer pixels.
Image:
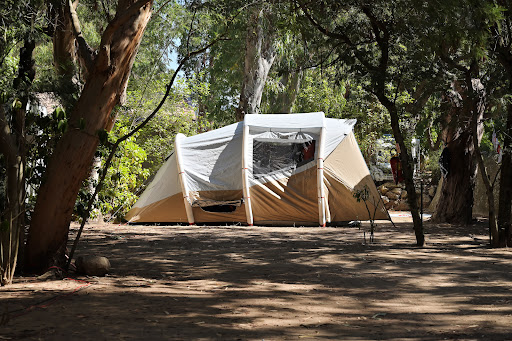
[
  {"x": 432, "y": 191},
  {"x": 402, "y": 206},
  {"x": 392, "y": 195},
  {"x": 92, "y": 265},
  {"x": 390, "y": 185},
  {"x": 383, "y": 189},
  {"x": 389, "y": 205},
  {"x": 397, "y": 190}
]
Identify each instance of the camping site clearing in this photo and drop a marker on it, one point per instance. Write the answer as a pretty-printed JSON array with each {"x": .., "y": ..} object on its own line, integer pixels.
[{"x": 272, "y": 283}]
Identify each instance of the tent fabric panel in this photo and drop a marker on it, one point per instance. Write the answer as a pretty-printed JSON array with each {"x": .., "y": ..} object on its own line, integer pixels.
[
  {"x": 212, "y": 160},
  {"x": 346, "y": 171},
  {"x": 170, "y": 209},
  {"x": 335, "y": 131},
  {"x": 344, "y": 207},
  {"x": 165, "y": 184},
  {"x": 291, "y": 199},
  {"x": 216, "y": 195},
  {"x": 347, "y": 162}
]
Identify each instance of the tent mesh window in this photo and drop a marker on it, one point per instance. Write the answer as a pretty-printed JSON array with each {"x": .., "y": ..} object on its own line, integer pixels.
[{"x": 276, "y": 156}]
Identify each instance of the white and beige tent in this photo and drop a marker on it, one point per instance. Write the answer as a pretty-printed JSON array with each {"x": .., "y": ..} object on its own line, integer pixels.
[{"x": 269, "y": 169}]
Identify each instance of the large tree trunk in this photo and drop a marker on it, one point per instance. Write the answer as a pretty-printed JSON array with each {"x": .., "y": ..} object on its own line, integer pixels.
[
  {"x": 456, "y": 202},
  {"x": 259, "y": 57},
  {"x": 106, "y": 82}
]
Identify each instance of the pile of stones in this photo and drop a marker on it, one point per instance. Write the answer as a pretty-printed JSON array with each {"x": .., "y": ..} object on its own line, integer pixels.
[{"x": 394, "y": 196}]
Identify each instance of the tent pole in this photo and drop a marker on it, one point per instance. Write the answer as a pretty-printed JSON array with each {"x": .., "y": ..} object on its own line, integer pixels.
[
  {"x": 245, "y": 176},
  {"x": 184, "y": 187},
  {"x": 320, "y": 179}
]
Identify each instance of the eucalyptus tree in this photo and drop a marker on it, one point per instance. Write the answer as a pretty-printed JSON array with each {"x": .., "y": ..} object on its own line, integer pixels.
[
  {"x": 105, "y": 64},
  {"x": 259, "y": 52},
  {"x": 494, "y": 19},
  {"x": 259, "y": 56},
  {"x": 284, "y": 79},
  {"x": 106, "y": 70}
]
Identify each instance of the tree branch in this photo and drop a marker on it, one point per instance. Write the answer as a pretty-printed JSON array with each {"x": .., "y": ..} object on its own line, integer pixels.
[
  {"x": 382, "y": 40},
  {"x": 105, "y": 9},
  {"x": 338, "y": 36},
  {"x": 113, "y": 25},
  {"x": 7, "y": 144},
  {"x": 85, "y": 52},
  {"x": 445, "y": 58}
]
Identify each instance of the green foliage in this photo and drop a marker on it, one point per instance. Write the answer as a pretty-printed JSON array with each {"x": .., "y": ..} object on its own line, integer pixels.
[
  {"x": 43, "y": 132},
  {"x": 125, "y": 175},
  {"x": 176, "y": 116},
  {"x": 320, "y": 92},
  {"x": 157, "y": 138}
]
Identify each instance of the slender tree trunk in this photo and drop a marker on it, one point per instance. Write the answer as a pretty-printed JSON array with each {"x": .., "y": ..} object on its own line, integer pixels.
[
  {"x": 12, "y": 137},
  {"x": 406, "y": 160},
  {"x": 503, "y": 53},
  {"x": 70, "y": 163},
  {"x": 505, "y": 195},
  {"x": 259, "y": 57},
  {"x": 13, "y": 222},
  {"x": 477, "y": 101}
]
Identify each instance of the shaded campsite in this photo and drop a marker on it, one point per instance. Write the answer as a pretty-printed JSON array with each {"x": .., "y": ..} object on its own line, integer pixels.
[{"x": 273, "y": 283}]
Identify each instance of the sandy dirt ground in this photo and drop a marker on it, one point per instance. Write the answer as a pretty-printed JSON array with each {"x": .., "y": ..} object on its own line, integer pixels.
[{"x": 272, "y": 283}]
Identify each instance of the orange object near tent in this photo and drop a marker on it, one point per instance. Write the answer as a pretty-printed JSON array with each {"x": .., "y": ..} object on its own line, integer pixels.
[{"x": 396, "y": 169}]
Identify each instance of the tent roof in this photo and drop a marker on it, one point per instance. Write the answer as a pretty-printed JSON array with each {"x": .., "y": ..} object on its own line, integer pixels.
[{"x": 294, "y": 121}]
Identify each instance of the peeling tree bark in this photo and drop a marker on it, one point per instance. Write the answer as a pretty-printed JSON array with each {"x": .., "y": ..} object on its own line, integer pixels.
[
  {"x": 259, "y": 57},
  {"x": 105, "y": 85},
  {"x": 456, "y": 201},
  {"x": 64, "y": 51}
]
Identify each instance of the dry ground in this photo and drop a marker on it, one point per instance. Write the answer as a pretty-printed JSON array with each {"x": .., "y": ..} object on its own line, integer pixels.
[{"x": 272, "y": 283}]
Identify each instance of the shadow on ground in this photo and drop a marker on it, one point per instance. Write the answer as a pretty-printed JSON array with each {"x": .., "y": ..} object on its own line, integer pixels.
[{"x": 240, "y": 283}]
